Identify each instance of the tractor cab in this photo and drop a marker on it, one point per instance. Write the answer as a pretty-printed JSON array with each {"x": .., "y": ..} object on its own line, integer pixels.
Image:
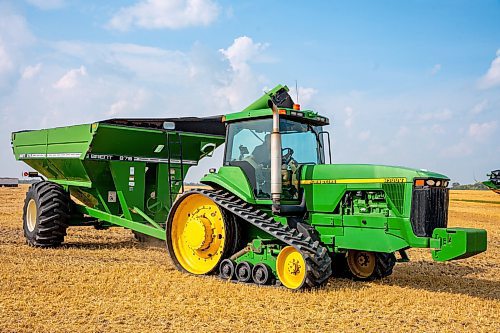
[{"x": 248, "y": 143}]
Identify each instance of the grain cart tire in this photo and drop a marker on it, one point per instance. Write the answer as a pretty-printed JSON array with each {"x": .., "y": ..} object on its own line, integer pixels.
[
  {"x": 200, "y": 234},
  {"x": 45, "y": 214},
  {"x": 368, "y": 266}
]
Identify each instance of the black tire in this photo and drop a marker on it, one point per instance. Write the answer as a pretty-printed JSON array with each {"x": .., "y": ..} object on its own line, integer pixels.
[
  {"x": 384, "y": 264},
  {"x": 340, "y": 269},
  {"x": 46, "y": 227}
]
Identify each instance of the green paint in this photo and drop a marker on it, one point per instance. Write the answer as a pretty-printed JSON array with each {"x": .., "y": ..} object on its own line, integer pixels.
[
  {"x": 122, "y": 176},
  {"x": 457, "y": 243},
  {"x": 261, "y": 251},
  {"x": 233, "y": 180}
]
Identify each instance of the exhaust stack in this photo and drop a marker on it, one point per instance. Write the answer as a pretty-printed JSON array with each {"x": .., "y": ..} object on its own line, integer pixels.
[{"x": 276, "y": 181}]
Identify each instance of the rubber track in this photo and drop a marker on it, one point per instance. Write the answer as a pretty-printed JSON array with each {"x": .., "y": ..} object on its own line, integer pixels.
[{"x": 316, "y": 256}]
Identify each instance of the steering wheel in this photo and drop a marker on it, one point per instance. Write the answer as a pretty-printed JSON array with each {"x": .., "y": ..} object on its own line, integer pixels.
[{"x": 286, "y": 154}]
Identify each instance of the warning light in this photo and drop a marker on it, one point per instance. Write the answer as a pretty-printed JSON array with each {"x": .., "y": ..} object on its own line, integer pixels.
[
  {"x": 419, "y": 182},
  {"x": 296, "y": 106}
]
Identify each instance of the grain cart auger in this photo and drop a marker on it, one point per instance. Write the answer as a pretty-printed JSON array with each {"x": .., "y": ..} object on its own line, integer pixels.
[{"x": 276, "y": 212}]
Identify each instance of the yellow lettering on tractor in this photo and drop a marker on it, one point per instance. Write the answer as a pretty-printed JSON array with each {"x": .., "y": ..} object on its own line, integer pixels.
[{"x": 353, "y": 181}]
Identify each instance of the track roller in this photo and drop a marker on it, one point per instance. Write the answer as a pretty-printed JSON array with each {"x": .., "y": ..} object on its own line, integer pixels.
[
  {"x": 244, "y": 271},
  {"x": 226, "y": 269},
  {"x": 262, "y": 274}
]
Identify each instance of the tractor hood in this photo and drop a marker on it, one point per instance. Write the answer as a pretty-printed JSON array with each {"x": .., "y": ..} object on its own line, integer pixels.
[{"x": 362, "y": 173}]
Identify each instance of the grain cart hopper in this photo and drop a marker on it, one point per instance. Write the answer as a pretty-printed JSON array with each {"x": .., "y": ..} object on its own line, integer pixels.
[{"x": 277, "y": 212}]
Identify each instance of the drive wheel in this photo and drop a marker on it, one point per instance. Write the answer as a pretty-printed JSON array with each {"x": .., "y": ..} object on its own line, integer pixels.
[
  {"x": 199, "y": 234},
  {"x": 366, "y": 265},
  {"x": 291, "y": 268},
  {"x": 45, "y": 214}
]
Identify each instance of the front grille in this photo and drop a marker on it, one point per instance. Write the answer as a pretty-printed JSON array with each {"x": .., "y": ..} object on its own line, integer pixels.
[
  {"x": 396, "y": 193},
  {"x": 429, "y": 210}
]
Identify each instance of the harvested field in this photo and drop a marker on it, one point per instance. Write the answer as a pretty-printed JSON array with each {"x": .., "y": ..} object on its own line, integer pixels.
[{"x": 104, "y": 281}]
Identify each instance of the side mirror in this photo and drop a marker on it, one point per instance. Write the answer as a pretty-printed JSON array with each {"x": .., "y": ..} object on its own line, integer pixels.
[
  {"x": 207, "y": 149},
  {"x": 322, "y": 134}
]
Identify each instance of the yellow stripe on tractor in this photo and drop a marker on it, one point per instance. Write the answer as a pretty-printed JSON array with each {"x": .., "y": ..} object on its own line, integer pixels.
[{"x": 353, "y": 181}]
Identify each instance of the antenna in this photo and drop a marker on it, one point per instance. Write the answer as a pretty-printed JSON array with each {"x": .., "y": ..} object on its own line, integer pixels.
[{"x": 297, "y": 91}]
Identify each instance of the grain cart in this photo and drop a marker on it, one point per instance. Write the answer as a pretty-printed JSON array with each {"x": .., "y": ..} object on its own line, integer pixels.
[{"x": 276, "y": 211}]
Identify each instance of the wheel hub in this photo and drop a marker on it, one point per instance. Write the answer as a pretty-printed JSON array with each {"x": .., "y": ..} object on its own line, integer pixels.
[
  {"x": 294, "y": 267},
  {"x": 361, "y": 263},
  {"x": 198, "y": 233},
  {"x": 363, "y": 260},
  {"x": 31, "y": 213}
]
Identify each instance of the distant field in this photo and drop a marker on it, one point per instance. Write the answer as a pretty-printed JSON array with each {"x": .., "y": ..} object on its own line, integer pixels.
[{"x": 104, "y": 281}]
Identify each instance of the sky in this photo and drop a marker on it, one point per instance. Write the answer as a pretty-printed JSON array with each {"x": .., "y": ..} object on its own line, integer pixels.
[{"x": 413, "y": 83}]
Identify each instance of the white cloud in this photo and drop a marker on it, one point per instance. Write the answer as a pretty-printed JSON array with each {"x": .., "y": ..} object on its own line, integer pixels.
[
  {"x": 14, "y": 37},
  {"x": 480, "y": 107},
  {"x": 160, "y": 14},
  {"x": 492, "y": 76},
  {"x": 477, "y": 134},
  {"x": 402, "y": 132},
  {"x": 241, "y": 52},
  {"x": 349, "y": 117},
  {"x": 435, "y": 69},
  {"x": 143, "y": 62},
  {"x": 437, "y": 129},
  {"x": 444, "y": 114},
  {"x": 241, "y": 79},
  {"x": 47, "y": 4},
  {"x": 31, "y": 71},
  {"x": 70, "y": 79},
  {"x": 462, "y": 148},
  {"x": 305, "y": 95},
  {"x": 482, "y": 131},
  {"x": 129, "y": 104},
  {"x": 6, "y": 64},
  {"x": 364, "y": 135}
]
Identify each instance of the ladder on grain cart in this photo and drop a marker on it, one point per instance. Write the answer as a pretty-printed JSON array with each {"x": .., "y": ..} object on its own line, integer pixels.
[{"x": 175, "y": 166}]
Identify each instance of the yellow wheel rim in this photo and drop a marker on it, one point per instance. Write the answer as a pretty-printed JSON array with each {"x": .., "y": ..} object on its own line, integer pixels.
[
  {"x": 361, "y": 263},
  {"x": 291, "y": 268},
  {"x": 198, "y": 234},
  {"x": 31, "y": 214}
]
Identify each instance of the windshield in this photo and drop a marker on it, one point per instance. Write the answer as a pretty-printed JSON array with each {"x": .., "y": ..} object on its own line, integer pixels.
[
  {"x": 303, "y": 140},
  {"x": 253, "y": 138},
  {"x": 248, "y": 147}
]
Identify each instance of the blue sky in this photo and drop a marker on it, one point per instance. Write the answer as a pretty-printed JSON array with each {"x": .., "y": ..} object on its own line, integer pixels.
[{"x": 414, "y": 83}]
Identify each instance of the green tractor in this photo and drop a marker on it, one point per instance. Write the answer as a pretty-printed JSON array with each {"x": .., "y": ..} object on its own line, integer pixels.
[
  {"x": 494, "y": 182},
  {"x": 275, "y": 212}
]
